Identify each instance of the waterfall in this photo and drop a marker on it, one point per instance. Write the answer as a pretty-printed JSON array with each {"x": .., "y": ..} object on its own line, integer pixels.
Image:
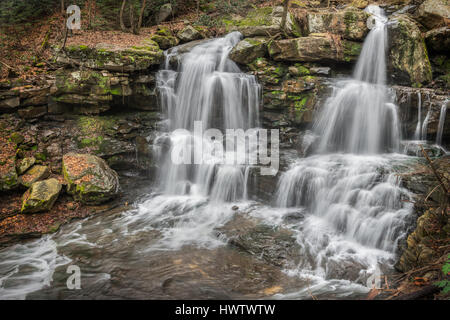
[
  {"x": 359, "y": 118},
  {"x": 417, "y": 133},
  {"x": 210, "y": 88},
  {"x": 353, "y": 202},
  {"x": 441, "y": 123}
]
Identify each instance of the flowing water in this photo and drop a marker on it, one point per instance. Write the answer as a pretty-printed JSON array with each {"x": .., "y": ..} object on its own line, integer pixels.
[
  {"x": 343, "y": 205},
  {"x": 441, "y": 123}
]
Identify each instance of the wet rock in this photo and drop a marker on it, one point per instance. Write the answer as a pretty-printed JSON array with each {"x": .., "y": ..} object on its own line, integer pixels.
[
  {"x": 438, "y": 39},
  {"x": 433, "y": 13},
  {"x": 324, "y": 71},
  {"x": 25, "y": 164},
  {"x": 188, "y": 34},
  {"x": 408, "y": 59},
  {"x": 36, "y": 173},
  {"x": 419, "y": 250},
  {"x": 89, "y": 179},
  {"x": 41, "y": 196},
  {"x": 272, "y": 244},
  {"x": 248, "y": 50},
  {"x": 315, "y": 48},
  {"x": 351, "y": 23}
]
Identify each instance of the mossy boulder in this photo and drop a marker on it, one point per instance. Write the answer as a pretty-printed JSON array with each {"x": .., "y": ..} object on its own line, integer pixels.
[
  {"x": 165, "y": 41},
  {"x": 315, "y": 48},
  {"x": 248, "y": 50},
  {"x": 8, "y": 175},
  {"x": 263, "y": 22},
  {"x": 188, "y": 34},
  {"x": 25, "y": 164},
  {"x": 112, "y": 58},
  {"x": 408, "y": 57},
  {"x": 36, "y": 173},
  {"x": 350, "y": 23},
  {"x": 41, "y": 196},
  {"x": 89, "y": 179},
  {"x": 433, "y": 13}
]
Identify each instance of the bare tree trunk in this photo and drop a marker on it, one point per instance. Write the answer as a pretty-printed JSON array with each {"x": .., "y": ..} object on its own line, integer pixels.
[
  {"x": 131, "y": 11},
  {"x": 63, "y": 7},
  {"x": 198, "y": 7},
  {"x": 122, "y": 9},
  {"x": 141, "y": 16},
  {"x": 285, "y": 13}
]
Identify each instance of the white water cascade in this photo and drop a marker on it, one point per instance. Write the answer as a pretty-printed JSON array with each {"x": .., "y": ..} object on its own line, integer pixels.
[
  {"x": 441, "y": 123},
  {"x": 359, "y": 117},
  {"x": 210, "y": 88},
  {"x": 354, "y": 207},
  {"x": 418, "y": 132}
]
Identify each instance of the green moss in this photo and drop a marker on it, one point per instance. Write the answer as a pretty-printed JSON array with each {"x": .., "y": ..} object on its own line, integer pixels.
[
  {"x": 256, "y": 17},
  {"x": 351, "y": 50},
  {"x": 40, "y": 156}
]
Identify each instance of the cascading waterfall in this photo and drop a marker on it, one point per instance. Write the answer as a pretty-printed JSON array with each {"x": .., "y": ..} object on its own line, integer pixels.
[
  {"x": 353, "y": 207},
  {"x": 209, "y": 88},
  {"x": 441, "y": 123},
  {"x": 359, "y": 118},
  {"x": 417, "y": 133}
]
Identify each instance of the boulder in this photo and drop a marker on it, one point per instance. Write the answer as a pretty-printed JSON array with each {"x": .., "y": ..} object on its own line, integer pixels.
[
  {"x": 25, "y": 164},
  {"x": 9, "y": 103},
  {"x": 248, "y": 50},
  {"x": 433, "y": 13},
  {"x": 351, "y": 23},
  {"x": 263, "y": 22},
  {"x": 408, "y": 58},
  {"x": 438, "y": 39},
  {"x": 113, "y": 58},
  {"x": 89, "y": 179},
  {"x": 315, "y": 48},
  {"x": 165, "y": 41},
  {"x": 36, "y": 173},
  {"x": 8, "y": 174},
  {"x": 188, "y": 34},
  {"x": 41, "y": 196},
  {"x": 164, "y": 13}
]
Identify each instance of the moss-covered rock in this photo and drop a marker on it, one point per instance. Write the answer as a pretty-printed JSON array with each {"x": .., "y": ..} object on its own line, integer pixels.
[
  {"x": 89, "y": 179},
  {"x": 248, "y": 50},
  {"x": 314, "y": 48},
  {"x": 8, "y": 175},
  {"x": 41, "y": 196},
  {"x": 164, "y": 41},
  {"x": 188, "y": 34},
  {"x": 263, "y": 22},
  {"x": 25, "y": 164},
  {"x": 113, "y": 58},
  {"x": 351, "y": 23},
  {"x": 408, "y": 57},
  {"x": 433, "y": 13},
  {"x": 36, "y": 173}
]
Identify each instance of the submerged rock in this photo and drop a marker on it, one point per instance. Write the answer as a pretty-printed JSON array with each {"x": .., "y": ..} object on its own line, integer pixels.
[
  {"x": 89, "y": 179},
  {"x": 315, "y": 48},
  {"x": 36, "y": 173},
  {"x": 248, "y": 50},
  {"x": 41, "y": 196},
  {"x": 408, "y": 58},
  {"x": 433, "y": 13}
]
